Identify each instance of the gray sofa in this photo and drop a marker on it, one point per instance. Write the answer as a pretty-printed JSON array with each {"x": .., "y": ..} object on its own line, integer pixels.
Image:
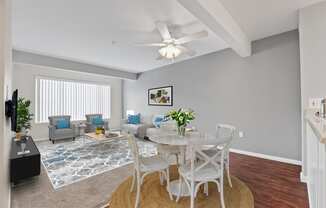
[
  {"x": 89, "y": 123},
  {"x": 55, "y": 133}
]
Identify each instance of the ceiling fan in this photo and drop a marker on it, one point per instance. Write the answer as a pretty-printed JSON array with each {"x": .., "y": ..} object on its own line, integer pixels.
[{"x": 170, "y": 48}]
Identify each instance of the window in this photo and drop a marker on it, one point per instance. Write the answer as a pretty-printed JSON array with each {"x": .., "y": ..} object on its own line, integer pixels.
[{"x": 74, "y": 98}]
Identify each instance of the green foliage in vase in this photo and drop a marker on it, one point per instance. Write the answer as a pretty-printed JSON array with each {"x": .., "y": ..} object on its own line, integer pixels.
[
  {"x": 24, "y": 117},
  {"x": 181, "y": 116}
]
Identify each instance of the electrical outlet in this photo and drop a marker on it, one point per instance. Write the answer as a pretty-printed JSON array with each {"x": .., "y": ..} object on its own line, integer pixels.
[{"x": 241, "y": 134}]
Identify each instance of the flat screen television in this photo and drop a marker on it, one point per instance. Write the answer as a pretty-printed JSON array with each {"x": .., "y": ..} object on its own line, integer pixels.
[{"x": 11, "y": 110}]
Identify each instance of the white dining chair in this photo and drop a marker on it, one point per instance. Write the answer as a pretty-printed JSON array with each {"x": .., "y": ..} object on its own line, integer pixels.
[
  {"x": 144, "y": 166},
  {"x": 209, "y": 168},
  {"x": 226, "y": 131}
]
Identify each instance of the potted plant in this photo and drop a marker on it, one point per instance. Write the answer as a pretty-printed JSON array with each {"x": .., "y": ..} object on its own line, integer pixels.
[
  {"x": 182, "y": 118},
  {"x": 24, "y": 117}
]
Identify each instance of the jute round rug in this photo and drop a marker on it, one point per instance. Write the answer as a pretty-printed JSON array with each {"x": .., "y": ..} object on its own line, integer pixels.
[{"x": 153, "y": 195}]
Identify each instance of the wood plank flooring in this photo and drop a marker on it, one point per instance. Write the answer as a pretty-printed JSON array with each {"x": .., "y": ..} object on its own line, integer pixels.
[{"x": 273, "y": 184}]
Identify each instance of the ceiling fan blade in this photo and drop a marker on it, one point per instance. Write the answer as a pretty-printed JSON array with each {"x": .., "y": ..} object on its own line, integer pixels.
[
  {"x": 151, "y": 44},
  {"x": 191, "y": 37},
  {"x": 186, "y": 50},
  {"x": 164, "y": 31}
]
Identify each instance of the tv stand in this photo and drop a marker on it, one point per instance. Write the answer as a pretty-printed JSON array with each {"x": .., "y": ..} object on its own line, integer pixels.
[{"x": 24, "y": 164}]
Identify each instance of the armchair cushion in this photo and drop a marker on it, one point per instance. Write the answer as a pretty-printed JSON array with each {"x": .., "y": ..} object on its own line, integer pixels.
[
  {"x": 97, "y": 121},
  {"x": 63, "y": 124}
]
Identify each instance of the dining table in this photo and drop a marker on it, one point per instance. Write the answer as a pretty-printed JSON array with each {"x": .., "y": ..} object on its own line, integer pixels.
[{"x": 173, "y": 139}]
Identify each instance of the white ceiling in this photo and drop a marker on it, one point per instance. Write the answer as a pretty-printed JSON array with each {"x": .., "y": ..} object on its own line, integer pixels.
[
  {"x": 83, "y": 30},
  {"x": 263, "y": 18}
]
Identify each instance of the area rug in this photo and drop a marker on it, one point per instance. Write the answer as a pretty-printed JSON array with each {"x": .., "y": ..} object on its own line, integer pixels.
[
  {"x": 68, "y": 162},
  {"x": 153, "y": 195}
]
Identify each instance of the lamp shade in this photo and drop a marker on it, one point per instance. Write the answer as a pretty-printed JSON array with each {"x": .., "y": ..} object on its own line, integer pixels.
[{"x": 170, "y": 51}]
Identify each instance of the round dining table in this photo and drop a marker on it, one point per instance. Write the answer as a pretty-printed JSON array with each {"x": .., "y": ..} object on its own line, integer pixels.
[{"x": 173, "y": 139}]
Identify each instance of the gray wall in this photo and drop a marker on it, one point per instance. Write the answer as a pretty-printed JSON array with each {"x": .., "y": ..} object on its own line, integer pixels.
[{"x": 259, "y": 94}]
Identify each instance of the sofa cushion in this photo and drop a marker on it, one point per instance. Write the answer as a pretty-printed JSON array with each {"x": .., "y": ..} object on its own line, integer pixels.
[
  {"x": 64, "y": 133},
  {"x": 97, "y": 121},
  {"x": 63, "y": 124},
  {"x": 134, "y": 119},
  {"x": 158, "y": 120},
  {"x": 132, "y": 128}
]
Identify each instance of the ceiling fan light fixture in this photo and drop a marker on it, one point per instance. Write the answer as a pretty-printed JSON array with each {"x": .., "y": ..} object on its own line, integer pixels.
[{"x": 170, "y": 51}]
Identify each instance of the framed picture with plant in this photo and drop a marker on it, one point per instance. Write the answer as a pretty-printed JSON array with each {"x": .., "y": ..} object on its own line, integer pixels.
[{"x": 24, "y": 117}]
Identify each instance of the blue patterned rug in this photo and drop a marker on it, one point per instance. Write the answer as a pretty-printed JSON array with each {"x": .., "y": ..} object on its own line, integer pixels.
[{"x": 68, "y": 162}]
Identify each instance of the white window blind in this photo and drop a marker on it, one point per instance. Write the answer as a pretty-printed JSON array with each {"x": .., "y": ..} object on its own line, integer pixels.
[{"x": 74, "y": 98}]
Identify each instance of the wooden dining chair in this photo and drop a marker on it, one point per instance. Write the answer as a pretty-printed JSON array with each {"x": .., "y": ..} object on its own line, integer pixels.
[
  {"x": 144, "y": 166},
  {"x": 209, "y": 168}
]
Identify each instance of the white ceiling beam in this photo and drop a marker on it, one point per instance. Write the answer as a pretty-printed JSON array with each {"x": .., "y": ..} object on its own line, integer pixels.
[
  {"x": 214, "y": 15},
  {"x": 24, "y": 57}
]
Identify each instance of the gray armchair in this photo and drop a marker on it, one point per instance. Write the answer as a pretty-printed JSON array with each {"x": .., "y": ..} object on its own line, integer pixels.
[
  {"x": 64, "y": 133},
  {"x": 90, "y": 126}
]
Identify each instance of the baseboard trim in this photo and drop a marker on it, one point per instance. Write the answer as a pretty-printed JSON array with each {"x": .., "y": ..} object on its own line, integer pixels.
[
  {"x": 268, "y": 157},
  {"x": 303, "y": 178}
]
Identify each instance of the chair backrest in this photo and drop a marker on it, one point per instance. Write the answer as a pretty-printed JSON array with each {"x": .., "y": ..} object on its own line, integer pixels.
[
  {"x": 226, "y": 131},
  {"x": 90, "y": 117},
  {"x": 212, "y": 160},
  {"x": 134, "y": 150},
  {"x": 54, "y": 119}
]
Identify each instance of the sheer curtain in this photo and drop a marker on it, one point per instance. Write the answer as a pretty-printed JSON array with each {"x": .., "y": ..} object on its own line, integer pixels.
[{"x": 74, "y": 98}]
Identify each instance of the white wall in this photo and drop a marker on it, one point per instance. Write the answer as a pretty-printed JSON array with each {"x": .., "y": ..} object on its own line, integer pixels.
[
  {"x": 24, "y": 80},
  {"x": 312, "y": 29},
  {"x": 5, "y": 82}
]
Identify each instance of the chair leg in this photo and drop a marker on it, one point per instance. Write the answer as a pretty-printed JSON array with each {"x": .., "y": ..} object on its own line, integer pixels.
[
  {"x": 138, "y": 191},
  {"x": 177, "y": 157},
  {"x": 168, "y": 183},
  {"x": 222, "y": 194},
  {"x": 192, "y": 195},
  {"x": 133, "y": 181},
  {"x": 161, "y": 178},
  {"x": 228, "y": 172},
  {"x": 206, "y": 189},
  {"x": 180, "y": 189}
]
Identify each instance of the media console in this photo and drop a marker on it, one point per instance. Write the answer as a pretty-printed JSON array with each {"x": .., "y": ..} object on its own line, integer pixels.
[{"x": 24, "y": 165}]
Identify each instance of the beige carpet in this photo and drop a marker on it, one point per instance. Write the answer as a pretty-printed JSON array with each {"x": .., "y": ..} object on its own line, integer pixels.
[{"x": 153, "y": 195}]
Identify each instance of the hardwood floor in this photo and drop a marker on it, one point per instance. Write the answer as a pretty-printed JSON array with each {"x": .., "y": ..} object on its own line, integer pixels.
[{"x": 273, "y": 184}]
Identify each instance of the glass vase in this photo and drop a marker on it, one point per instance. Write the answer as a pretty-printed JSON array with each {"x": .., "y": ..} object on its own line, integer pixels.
[{"x": 182, "y": 130}]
